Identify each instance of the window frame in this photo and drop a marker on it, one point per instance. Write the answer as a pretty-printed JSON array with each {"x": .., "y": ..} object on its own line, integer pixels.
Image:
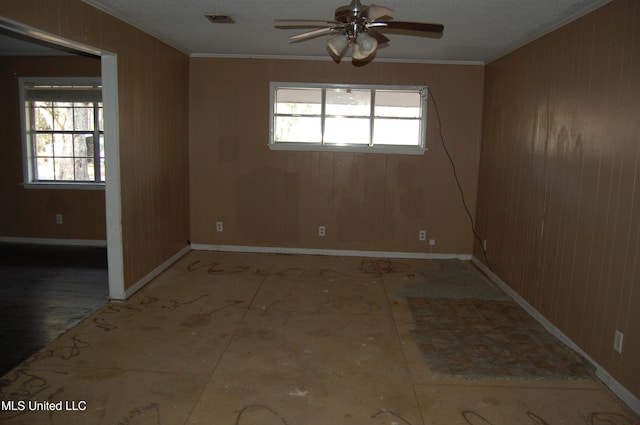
[
  {"x": 347, "y": 147},
  {"x": 29, "y": 172}
]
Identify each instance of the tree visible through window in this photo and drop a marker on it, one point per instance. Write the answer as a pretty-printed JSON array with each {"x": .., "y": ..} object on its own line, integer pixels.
[{"x": 64, "y": 126}]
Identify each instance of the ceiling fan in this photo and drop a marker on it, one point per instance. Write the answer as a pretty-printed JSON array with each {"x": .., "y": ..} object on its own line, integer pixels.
[{"x": 357, "y": 25}]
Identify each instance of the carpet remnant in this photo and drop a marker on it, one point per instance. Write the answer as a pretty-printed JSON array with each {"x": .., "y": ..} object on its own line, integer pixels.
[
  {"x": 488, "y": 338},
  {"x": 452, "y": 279}
]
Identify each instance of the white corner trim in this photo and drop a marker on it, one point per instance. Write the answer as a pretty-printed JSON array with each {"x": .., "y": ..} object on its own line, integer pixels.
[
  {"x": 153, "y": 273},
  {"x": 336, "y": 252},
  {"x": 100, "y": 243},
  {"x": 616, "y": 387},
  {"x": 113, "y": 194}
]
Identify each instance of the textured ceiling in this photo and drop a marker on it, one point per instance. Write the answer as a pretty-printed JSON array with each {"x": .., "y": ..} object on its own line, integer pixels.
[{"x": 475, "y": 30}]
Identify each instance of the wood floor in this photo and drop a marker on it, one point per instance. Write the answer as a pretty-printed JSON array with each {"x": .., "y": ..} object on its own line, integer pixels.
[{"x": 44, "y": 291}]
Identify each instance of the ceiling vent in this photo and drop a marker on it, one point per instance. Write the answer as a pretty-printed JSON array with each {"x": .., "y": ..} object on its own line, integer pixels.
[{"x": 220, "y": 19}]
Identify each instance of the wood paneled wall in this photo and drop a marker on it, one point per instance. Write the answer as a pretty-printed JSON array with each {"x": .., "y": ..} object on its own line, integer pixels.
[
  {"x": 368, "y": 202},
  {"x": 30, "y": 213},
  {"x": 559, "y": 193},
  {"x": 153, "y": 118}
]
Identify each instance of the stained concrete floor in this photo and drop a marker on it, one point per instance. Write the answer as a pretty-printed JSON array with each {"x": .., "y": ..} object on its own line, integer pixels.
[{"x": 230, "y": 338}]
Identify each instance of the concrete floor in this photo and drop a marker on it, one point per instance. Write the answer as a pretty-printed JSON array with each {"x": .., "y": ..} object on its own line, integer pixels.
[{"x": 230, "y": 338}]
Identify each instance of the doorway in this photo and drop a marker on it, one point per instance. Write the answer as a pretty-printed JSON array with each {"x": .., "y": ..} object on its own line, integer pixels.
[
  {"x": 51, "y": 264},
  {"x": 28, "y": 36}
]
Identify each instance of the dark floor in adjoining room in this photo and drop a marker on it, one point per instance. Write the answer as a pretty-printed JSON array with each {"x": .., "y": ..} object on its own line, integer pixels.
[{"x": 45, "y": 291}]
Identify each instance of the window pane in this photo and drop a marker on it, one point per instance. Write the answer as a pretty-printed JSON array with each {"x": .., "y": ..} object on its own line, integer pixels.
[
  {"x": 398, "y": 104},
  {"x": 83, "y": 117},
  {"x": 100, "y": 117},
  {"x": 348, "y": 102},
  {"x": 83, "y": 145},
  {"x": 298, "y": 101},
  {"x": 102, "y": 155},
  {"x": 42, "y": 118},
  {"x": 43, "y": 145},
  {"x": 62, "y": 117},
  {"x": 62, "y": 145},
  {"x": 298, "y": 129},
  {"x": 92, "y": 170},
  {"x": 44, "y": 169},
  {"x": 396, "y": 132},
  {"x": 84, "y": 169},
  {"x": 64, "y": 169},
  {"x": 347, "y": 131},
  {"x": 103, "y": 170}
]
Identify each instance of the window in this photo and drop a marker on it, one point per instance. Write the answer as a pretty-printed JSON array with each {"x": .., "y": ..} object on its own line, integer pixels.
[
  {"x": 63, "y": 132},
  {"x": 348, "y": 117}
]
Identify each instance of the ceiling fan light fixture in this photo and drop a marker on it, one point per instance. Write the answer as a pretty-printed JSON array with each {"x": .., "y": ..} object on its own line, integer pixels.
[
  {"x": 361, "y": 26},
  {"x": 365, "y": 46},
  {"x": 338, "y": 44}
]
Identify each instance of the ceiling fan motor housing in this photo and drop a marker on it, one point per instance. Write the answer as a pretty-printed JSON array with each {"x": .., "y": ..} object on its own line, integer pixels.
[
  {"x": 349, "y": 13},
  {"x": 352, "y": 18}
]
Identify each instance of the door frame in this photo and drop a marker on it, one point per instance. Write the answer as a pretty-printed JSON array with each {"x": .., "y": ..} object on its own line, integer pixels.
[{"x": 113, "y": 198}]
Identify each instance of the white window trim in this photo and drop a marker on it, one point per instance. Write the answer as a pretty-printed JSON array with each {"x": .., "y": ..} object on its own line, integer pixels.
[
  {"x": 27, "y": 159},
  {"x": 385, "y": 149}
]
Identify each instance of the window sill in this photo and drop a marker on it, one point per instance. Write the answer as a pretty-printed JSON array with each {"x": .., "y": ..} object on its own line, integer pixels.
[
  {"x": 313, "y": 147},
  {"x": 64, "y": 186}
]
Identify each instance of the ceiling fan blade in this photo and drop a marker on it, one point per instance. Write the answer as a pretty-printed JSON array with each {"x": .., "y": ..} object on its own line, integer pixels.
[
  {"x": 299, "y": 26},
  {"x": 374, "y": 12},
  {"x": 324, "y": 21},
  {"x": 311, "y": 34},
  {"x": 413, "y": 26}
]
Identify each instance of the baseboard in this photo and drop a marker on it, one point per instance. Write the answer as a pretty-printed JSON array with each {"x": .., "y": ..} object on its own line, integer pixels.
[
  {"x": 51, "y": 241},
  {"x": 155, "y": 272},
  {"x": 616, "y": 387},
  {"x": 335, "y": 252}
]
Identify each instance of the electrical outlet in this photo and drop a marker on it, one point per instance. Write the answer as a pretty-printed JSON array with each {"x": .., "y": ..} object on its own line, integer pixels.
[
  {"x": 219, "y": 226},
  {"x": 321, "y": 231},
  {"x": 617, "y": 341},
  {"x": 422, "y": 235},
  {"x": 432, "y": 242},
  {"x": 58, "y": 218}
]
